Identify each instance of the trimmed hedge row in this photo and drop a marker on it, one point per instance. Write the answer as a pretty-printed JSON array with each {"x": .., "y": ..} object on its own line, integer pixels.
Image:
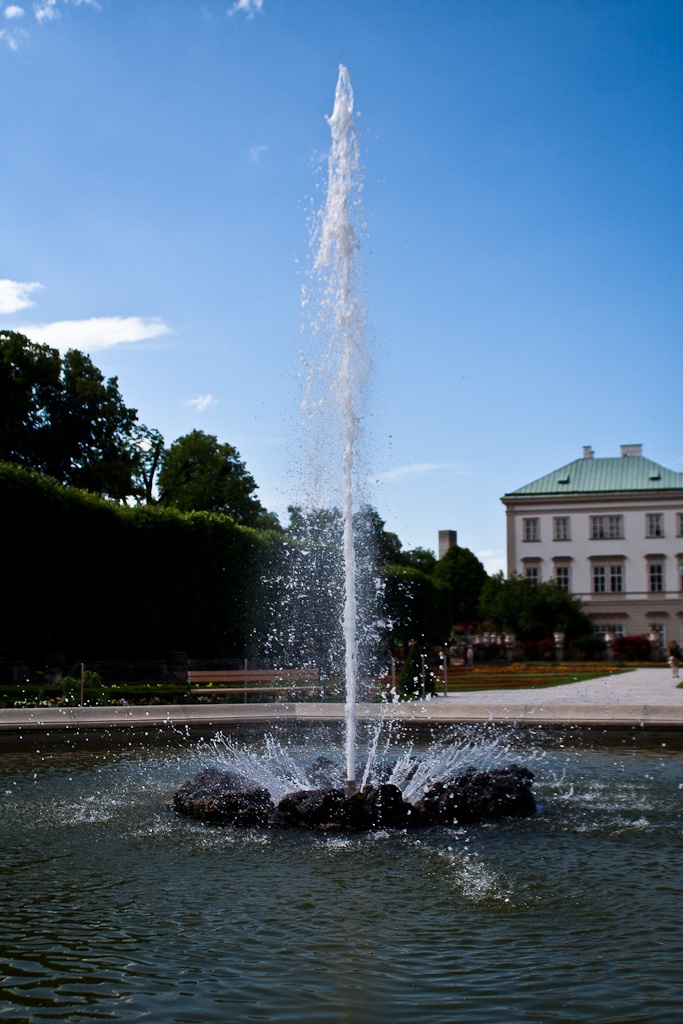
[{"x": 87, "y": 578}]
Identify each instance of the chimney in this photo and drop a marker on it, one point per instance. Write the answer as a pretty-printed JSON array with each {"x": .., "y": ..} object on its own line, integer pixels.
[
  {"x": 631, "y": 451},
  {"x": 588, "y": 452},
  {"x": 447, "y": 539}
]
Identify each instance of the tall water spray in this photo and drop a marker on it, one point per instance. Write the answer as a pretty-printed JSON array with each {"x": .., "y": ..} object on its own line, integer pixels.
[{"x": 337, "y": 261}]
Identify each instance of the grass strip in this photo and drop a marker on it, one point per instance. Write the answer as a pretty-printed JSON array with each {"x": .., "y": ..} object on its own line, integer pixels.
[{"x": 527, "y": 682}]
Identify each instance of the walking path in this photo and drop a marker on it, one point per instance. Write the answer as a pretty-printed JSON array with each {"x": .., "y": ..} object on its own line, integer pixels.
[
  {"x": 645, "y": 698},
  {"x": 641, "y": 686}
]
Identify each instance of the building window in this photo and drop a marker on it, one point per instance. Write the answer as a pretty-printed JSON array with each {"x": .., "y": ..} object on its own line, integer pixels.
[
  {"x": 532, "y": 573},
  {"x": 658, "y": 627},
  {"x": 561, "y": 528},
  {"x": 603, "y": 527},
  {"x": 531, "y": 530},
  {"x": 656, "y": 579},
  {"x": 679, "y": 520},
  {"x": 601, "y": 630},
  {"x": 562, "y": 577},
  {"x": 654, "y": 525},
  {"x": 680, "y": 580},
  {"x": 616, "y": 579},
  {"x": 599, "y": 579}
]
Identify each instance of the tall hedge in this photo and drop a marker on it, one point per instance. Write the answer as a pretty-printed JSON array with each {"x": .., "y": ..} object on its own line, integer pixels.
[{"x": 88, "y": 578}]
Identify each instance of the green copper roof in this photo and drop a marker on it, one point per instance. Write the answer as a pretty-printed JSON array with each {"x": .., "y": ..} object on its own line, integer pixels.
[{"x": 633, "y": 473}]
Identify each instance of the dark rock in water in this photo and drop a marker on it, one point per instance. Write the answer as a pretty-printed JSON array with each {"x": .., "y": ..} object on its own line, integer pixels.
[
  {"x": 385, "y": 807},
  {"x": 312, "y": 808},
  {"x": 219, "y": 798},
  {"x": 333, "y": 810},
  {"x": 213, "y": 782},
  {"x": 479, "y": 796},
  {"x": 237, "y": 807}
]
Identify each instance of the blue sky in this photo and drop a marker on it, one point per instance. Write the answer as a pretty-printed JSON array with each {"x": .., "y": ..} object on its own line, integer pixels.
[{"x": 522, "y": 192}]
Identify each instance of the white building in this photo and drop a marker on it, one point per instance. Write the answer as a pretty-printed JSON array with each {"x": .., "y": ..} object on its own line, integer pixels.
[{"x": 610, "y": 531}]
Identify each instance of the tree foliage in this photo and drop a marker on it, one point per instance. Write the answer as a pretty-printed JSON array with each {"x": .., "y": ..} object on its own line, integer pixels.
[
  {"x": 417, "y": 606},
  {"x": 463, "y": 574},
  {"x": 532, "y": 611},
  {"x": 198, "y": 474},
  {"x": 61, "y": 417},
  {"x": 310, "y": 603},
  {"x": 419, "y": 558}
]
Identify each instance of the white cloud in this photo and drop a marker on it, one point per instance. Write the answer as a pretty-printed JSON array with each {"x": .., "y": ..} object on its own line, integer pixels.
[
  {"x": 201, "y": 402},
  {"x": 256, "y": 152},
  {"x": 47, "y": 10},
  {"x": 44, "y": 10},
  {"x": 248, "y": 6},
  {"x": 14, "y": 295},
  {"x": 98, "y": 332},
  {"x": 415, "y": 469},
  {"x": 13, "y": 37}
]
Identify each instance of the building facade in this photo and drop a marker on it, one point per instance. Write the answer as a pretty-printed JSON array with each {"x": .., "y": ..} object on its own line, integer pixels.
[{"x": 609, "y": 531}]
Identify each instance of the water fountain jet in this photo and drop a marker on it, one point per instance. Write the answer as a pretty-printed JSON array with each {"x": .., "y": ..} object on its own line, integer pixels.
[
  {"x": 336, "y": 259},
  {"x": 407, "y": 795}
]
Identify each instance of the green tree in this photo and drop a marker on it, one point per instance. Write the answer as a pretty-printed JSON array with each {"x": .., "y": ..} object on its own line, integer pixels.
[
  {"x": 381, "y": 545},
  {"x": 96, "y": 431},
  {"x": 61, "y": 417},
  {"x": 463, "y": 574},
  {"x": 30, "y": 389},
  {"x": 418, "y": 558},
  {"x": 149, "y": 446},
  {"x": 200, "y": 475},
  {"x": 416, "y": 605},
  {"x": 532, "y": 611}
]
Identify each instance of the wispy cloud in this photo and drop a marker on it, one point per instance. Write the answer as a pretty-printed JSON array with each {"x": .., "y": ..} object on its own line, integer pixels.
[
  {"x": 44, "y": 10},
  {"x": 201, "y": 402},
  {"x": 248, "y": 7},
  {"x": 13, "y": 37},
  {"x": 48, "y": 10},
  {"x": 416, "y": 469},
  {"x": 14, "y": 295},
  {"x": 96, "y": 333},
  {"x": 256, "y": 152}
]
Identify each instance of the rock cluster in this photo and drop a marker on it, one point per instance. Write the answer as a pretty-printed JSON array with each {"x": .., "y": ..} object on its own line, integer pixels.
[
  {"x": 480, "y": 796},
  {"x": 221, "y": 798}
]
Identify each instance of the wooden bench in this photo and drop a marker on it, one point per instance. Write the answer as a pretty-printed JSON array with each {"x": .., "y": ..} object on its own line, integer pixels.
[{"x": 296, "y": 678}]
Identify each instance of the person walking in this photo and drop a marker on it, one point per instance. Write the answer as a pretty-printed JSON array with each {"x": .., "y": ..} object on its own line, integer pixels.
[{"x": 675, "y": 656}]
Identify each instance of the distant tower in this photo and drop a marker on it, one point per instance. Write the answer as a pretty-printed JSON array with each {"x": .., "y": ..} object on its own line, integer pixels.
[{"x": 447, "y": 539}]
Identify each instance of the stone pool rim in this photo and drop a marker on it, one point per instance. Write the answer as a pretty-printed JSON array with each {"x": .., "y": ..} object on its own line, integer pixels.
[{"x": 63, "y": 722}]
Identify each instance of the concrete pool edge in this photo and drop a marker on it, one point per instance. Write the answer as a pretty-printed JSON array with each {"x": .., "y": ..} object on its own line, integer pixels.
[{"x": 17, "y": 722}]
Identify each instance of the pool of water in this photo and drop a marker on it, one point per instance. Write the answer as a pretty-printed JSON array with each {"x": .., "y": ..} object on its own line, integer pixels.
[{"x": 111, "y": 909}]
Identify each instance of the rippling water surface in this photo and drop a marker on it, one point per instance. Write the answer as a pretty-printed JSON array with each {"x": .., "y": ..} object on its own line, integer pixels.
[{"x": 111, "y": 909}]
